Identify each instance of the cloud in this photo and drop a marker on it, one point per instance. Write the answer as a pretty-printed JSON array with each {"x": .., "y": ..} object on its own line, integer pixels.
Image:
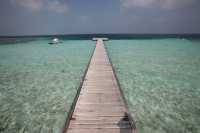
[
  {"x": 39, "y": 5},
  {"x": 137, "y": 3},
  {"x": 57, "y": 7},
  {"x": 172, "y": 4},
  {"x": 33, "y": 5},
  {"x": 163, "y": 4}
]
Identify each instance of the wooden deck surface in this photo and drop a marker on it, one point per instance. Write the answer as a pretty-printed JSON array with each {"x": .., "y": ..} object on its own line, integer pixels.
[{"x": 100, "y": 107}]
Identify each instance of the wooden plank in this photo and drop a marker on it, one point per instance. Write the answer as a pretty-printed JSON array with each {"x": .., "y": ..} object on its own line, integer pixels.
[
  {"x": 100, "y": 107},
  {"x": 100, "y": 130}
]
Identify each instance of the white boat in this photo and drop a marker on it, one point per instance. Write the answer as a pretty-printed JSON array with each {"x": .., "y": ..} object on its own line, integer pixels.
[{"x": 55, "y": 41}]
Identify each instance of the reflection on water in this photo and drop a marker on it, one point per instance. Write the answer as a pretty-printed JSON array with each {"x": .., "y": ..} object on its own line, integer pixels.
[
  {"x": 160, "y": 79},
  {"x": 38, "y": 82}
]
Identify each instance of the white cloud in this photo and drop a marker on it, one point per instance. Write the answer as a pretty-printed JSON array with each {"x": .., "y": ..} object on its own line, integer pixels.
[
  {"x": 38, "y": 5},
  {"x": 33, "y": 5},
  {"x": 172, "y": 4},
  {"x": 137, "y": 3},
  {"x": 164, "y": 4},
  {"x": 57, "y": 6}
]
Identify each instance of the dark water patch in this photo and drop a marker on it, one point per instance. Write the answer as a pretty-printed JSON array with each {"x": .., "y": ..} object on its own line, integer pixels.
[
  {"x": 19, "y": 40},
  {"x": 4, "y": 41}
]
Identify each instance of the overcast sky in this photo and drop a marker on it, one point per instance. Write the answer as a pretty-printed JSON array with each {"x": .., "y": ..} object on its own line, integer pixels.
[{"x": 33, "y": 17}]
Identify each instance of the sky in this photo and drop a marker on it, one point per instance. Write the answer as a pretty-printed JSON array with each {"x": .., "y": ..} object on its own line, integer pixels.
[{"x": 46, "y": 17}]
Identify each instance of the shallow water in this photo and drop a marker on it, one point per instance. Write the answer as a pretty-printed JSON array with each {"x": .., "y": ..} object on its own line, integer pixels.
[
  {"x": 161, "y": 82},
  {"x": 38, "y": 83}
]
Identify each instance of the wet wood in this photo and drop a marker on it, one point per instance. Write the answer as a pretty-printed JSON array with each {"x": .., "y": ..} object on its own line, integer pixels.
[{"x": 100, "y": 107}]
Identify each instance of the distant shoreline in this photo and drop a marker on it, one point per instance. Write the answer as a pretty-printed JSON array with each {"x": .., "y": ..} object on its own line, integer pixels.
[{"x": 111, "y": 36}]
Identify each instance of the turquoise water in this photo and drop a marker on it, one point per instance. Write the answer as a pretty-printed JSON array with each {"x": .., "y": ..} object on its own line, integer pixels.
[
  {"x": 38, "y": 82},
  {"x": 161, "y": 82}
]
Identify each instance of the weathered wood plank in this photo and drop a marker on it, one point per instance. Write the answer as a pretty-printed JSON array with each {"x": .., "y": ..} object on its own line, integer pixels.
[{"x": 100, "y": 130}]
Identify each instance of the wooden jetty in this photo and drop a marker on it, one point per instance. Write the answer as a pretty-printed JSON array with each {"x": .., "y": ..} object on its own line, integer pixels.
[{"x": 100, "y": 105}]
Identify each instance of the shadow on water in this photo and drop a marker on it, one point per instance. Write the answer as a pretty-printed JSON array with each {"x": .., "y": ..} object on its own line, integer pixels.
[{"x": 125, "y": 125}]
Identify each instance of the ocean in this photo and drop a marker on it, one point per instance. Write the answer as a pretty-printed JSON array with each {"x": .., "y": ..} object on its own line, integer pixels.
[
  {"x": 159, "y": 76},
  {"x": 38, "y": 82},
  {"x": 160, "y": 80}
]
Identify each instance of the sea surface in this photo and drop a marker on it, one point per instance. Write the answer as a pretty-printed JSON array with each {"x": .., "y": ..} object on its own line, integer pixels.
[
  {"x": 161, "y": 82},
  {"x": 160, "y": 78},
  {"x": 38, "y": 82}
]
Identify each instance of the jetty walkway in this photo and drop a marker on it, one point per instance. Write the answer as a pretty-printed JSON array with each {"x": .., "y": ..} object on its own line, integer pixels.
[{"x": 100, "y": 107}]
